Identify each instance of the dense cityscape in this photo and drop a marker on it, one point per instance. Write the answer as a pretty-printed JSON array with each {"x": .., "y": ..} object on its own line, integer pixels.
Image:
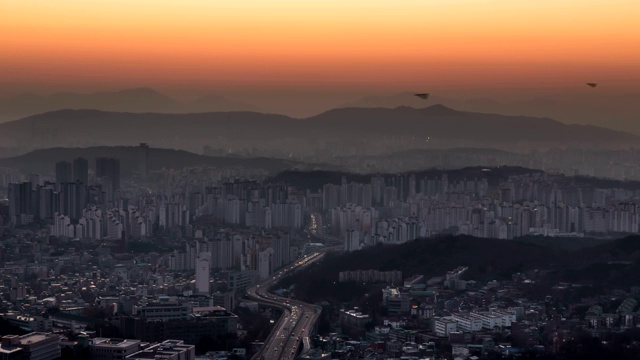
[
  {"x": 97, "y": 265},
  {"x": 319, "y": 180}
]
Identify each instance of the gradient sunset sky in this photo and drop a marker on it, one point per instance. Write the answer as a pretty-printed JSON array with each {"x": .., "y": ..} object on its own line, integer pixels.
[{"x": 203, "y": 45}]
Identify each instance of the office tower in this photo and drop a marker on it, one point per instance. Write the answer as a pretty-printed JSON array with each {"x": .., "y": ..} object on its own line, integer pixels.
[
  {"x": 81, "y": 170},
  {"x": 64, "y": 173},
  {"x": 143, "y": 159},
  {"x": 203, "y": 268}
]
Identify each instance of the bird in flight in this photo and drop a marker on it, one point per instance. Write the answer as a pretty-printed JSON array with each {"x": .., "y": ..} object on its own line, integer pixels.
[
  {"x": 422, "y": 96},
  {"x": 592, "y": 84}
]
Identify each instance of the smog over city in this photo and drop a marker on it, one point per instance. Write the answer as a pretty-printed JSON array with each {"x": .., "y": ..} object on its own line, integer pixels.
[{"x": 278, "y": 179}]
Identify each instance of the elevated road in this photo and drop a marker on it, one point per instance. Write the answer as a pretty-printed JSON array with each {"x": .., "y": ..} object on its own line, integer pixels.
[{"x": 291, "y": 334}]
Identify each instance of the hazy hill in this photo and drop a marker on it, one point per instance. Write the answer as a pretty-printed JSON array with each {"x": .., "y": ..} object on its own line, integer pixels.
[
  {"x": 211, "y": 103},
  {"x": 437, "y": 122},
  {"x": 440, "y": 122},
  {"x": 600, "y": 106},
  {"x": 594, "y": 106},
  {"x": 394, "y": 100},
  {"x": 419, "y": 159},
  {"x": 129, "y": 100},
  {"x": 94, "y": 127},
  {"x": 314, "y": 179},
  {"x": 43, "y": 161}
]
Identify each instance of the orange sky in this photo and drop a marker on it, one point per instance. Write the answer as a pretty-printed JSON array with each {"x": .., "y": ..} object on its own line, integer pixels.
[{"x": 396, "y": 44}]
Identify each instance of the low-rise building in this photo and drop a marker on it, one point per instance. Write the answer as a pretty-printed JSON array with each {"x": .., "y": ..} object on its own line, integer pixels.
[
  {"x": 10, "y": 348},
  {"x": 112, "y": 349},
  {"x": 354, "y": 318},
  {"x": 29, "y": 323},
  {"x": 209, "y": 321},
  {"x": 507, "y": 316},
  {"x": 395, "y": 301},
  {"x": 163, "y": 311},
  {"x": 32, "y": 346},
  {"x": 444, "y": 326},
  {"x": 467, "y": 323},
  {"x": 166, "y": 350},
  {"x": 489, "y": 320}
]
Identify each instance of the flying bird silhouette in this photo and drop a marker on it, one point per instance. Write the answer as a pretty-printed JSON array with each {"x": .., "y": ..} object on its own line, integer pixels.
[
  {"x": 422, "y": 96},
  {"x": 592, "y": 84}
]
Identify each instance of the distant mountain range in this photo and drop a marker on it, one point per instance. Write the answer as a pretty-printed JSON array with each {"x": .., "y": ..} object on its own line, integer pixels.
[
  {"x": 589, "y": 106},
  {"x": 621, "y": 111},
  {"x": 138, "y": 100},
  {"x": 437, "y": 124},
  {"x": 43, "y": 161}
]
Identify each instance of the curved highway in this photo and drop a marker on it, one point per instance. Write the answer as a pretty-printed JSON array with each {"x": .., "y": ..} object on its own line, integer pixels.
[{"x": 291, "y": 334}]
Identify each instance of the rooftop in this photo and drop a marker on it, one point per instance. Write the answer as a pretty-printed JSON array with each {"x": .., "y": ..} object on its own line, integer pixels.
[
  {"x": 162, "y": 350},
  {"x": 9, "y": 350},
  {"x": 208, "y": 309},
  {"x": 115, "y": 342},
  {"x": 33, "y": 338}
]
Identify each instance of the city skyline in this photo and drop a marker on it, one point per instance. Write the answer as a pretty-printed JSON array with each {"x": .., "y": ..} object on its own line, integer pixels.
[{"x": 307, "y": 179}]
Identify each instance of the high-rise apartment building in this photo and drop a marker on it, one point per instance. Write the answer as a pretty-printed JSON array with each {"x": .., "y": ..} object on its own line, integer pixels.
[
  {"x": 22, "y": 202},
  {"x": 203, "y": 269},
  {"x": 143, "y": 159},
  {"x": 264, "y": 263},
  {"x": 64, "y": 172},
  {"x": 108, "y": 173},
  {"x": 280, "y": 245},
  {"x": 81, "y": 170},
  {"x": 351, "y": 240},
  {"x": 73, "y": 199}
]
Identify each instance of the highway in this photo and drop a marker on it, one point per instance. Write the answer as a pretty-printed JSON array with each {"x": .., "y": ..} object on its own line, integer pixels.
[{"x": 291, "y": 334}]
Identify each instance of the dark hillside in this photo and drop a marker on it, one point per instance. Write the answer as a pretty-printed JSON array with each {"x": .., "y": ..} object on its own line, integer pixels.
[
  {"x": 614, "y": 263},
  {"x": 487, "y": 259},
  {"x": 313, "y": 180},
  {"x": 43, "y": 161}
]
